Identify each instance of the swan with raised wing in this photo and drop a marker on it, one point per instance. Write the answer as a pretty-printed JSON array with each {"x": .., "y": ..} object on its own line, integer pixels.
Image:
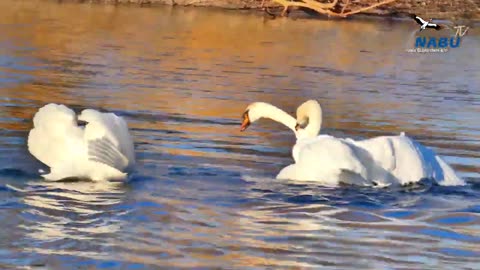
[
  {"x": 382, "y": 160},
  {"x": 102, "y": 149}
]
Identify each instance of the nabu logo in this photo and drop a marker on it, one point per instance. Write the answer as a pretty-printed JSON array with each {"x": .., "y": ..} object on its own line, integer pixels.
[
  {"x": 441, "y": 42},
  {"x": 432, "y": 42}
]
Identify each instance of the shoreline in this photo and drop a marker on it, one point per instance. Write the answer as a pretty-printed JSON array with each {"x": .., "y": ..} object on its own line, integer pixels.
[{"x": 453, "y": 10}]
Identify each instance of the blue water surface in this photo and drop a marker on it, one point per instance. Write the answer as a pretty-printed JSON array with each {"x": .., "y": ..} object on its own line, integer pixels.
[{"x": 203, "y": 194}]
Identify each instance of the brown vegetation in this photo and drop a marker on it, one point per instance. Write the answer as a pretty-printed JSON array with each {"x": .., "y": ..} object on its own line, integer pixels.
[
  {"x": 439, "y": 9},
  {"x": 335, "y": 8}
]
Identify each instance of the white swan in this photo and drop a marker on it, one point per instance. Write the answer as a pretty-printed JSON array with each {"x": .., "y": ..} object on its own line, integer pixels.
[
  {"x": 100, "y": 150},
  {"x": 382, "y": 160}
]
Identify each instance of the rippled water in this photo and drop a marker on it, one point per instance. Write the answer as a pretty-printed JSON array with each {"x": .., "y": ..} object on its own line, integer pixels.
[{"x": 203, "y": 194}]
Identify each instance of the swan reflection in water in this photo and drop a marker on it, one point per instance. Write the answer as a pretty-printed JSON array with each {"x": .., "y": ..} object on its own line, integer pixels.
[{"x": 58, "y": 213}]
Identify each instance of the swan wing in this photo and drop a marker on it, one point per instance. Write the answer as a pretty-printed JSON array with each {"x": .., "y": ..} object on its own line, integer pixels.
[
  {"x": 55, "y": 137},
  {"x": 435, "y": 167},
  {"x": 381, "y": 150},
  {"x": 449, "y": 176},
  {"x": 407, "y": 164},
  {"x": 103, "y": 150},
  {"x": 301, "y": 142},
  {"x": 415, "y": 161},
  {"x": 108, "y": 139},
  {"x": 328, "y": 159}
]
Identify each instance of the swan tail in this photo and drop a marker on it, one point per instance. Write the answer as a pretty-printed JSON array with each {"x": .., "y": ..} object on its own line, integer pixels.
[
  {"x": 449, "y": 176},
  {"x": 53, "y": 125}
]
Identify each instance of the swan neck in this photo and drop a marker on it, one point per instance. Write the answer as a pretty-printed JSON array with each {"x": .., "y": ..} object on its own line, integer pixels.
[
  {"x": 269, "y": 111},
  {"x": 282, "y": 117},
  {"x": 315, "y": 121}
]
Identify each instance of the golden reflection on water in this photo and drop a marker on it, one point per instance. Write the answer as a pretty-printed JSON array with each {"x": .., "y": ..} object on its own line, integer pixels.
[
  {"x": 184, "y": 76},
  {"x": 180, "y": 61}
]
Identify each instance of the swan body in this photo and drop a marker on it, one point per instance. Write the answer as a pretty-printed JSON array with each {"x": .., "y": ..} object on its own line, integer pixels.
[
  {"x": 325, "y": 159},
  {"x": 380, "y": 161},
  {"x": 384, "y": 160},
  {"x": 101, "y": 150}
]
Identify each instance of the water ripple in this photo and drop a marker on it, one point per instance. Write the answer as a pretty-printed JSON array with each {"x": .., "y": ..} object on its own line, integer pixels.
[{"x": 203, "y": 194}]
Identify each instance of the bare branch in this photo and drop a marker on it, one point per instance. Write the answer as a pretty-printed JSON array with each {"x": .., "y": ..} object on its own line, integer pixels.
[
  {"x": 311, "y": 4},
  {"x": 329, "y": 9},
  {"x": 367, "y": 8},
  {"x": 321, "y": 5},
  {"x": 345, "y": 6}
]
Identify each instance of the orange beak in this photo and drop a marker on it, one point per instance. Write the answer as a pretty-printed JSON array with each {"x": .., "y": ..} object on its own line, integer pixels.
[{"x": 245, "y": 122}]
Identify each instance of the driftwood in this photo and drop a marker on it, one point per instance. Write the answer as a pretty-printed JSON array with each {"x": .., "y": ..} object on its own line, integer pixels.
[{"x": 335, "y": 8}]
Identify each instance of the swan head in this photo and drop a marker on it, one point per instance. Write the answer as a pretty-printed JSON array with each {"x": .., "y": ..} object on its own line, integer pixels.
[
  {"x": 252, "y": 113},
  {"x": 309, "y": 117},
  {"x": 258, "y": 110},
  {"x": 245, "y": 121},
  {"x": 89, "y": 116}
]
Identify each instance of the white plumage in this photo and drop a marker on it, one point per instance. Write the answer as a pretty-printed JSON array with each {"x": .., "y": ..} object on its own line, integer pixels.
[
  {"x": 100, "y": 150},
  {"x": 382, "y": 161}
]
